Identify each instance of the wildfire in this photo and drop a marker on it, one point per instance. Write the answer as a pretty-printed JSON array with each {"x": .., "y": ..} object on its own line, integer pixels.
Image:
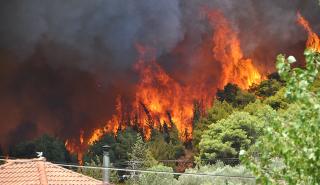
[
  {"x": 160, "y": 99},
  {"x": 76, "y": 148},
  {"x": 313, "y": 41},
  {"x": 235, "y": 68}
]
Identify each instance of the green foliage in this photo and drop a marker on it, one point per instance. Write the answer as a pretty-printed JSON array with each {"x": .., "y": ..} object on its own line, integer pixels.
[
  {"x": 97, "y": 173},
  {"x": 262, "y": 111},
  {"x": 225, "y": 138},
  {"x": 316, "y": 84},
  {"x": 94, "y": 173},
  {"x": 243, "y": 98},
  {"x": 235, "y": 96},
  {"x": 266, "y": 88},
  {"x": 124, "y": 142},
  {"x": 53, "y": 149},
  {"x": 292, "y": 136},
  {"x": 163, "y": 150},
  {"x": 96, "y": 148},
  {"x": 223, "y": 175},
  {"x": 278, "y": 101},
  {"x": 140, "y": 155},
  {"x": 120, "y": 146},
  {"x": 219, "y": 110},
  {"x": 155, "y": 179},
  {"x": 165, "y": 144},
  {"x": 26, "y": 149},
  {"x": 228, "y": 94}
]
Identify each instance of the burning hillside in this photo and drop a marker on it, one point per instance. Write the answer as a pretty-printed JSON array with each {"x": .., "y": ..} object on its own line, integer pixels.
[
  {"x": 80, "y": 69},
  {"x": 161, "y": 99}
]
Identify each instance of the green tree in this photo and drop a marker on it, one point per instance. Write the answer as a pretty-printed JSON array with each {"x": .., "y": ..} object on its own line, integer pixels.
[
  {"x": 140, "y": 156},
  {"x": 293, "y": 136},
  {"x": 235, "y": 96},
  {"x": 225, "y": 138},
  {"x": 96, "y": 148},
  {"x": 222, "y": 172},
  {"x": 53, "y": 149},
  {"x": 26, "y": 149},
  {"x": 94, "y": 173},
  {"x": 228, "y": 93},
  {"x": 162, "y": 150},
  {"x": 267, "y": 87},
  {"x": 218, "y": 111},
  {"x": 124, "y": 142},
  {"x": 156, "y": 179},
  {"x": 262, "y": 111},
  {"x": 243, "y": 98},
  {"x": 278, "y": 101},
  {"x": 120, "y": 146},
  {"x": 97, "y": 173}
]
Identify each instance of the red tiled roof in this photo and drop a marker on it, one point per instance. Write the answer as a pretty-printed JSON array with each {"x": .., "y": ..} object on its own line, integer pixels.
[{"x": 39, "y": 172}]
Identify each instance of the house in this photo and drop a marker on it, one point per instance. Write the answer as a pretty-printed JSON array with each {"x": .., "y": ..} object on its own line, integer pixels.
[{"x": 40, "y": 172}]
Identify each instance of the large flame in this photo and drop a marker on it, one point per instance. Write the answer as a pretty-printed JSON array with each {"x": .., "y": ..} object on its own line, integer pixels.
[
  {"x": 235, "y": 68},
  {"x": 162, "y": 98},
  {"x": 75, "y": 147},
  {"x": 159, "y": 98},
  {"x": 313, "y": 41}
]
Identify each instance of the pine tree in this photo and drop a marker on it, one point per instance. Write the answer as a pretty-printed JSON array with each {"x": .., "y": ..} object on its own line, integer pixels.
[{"x": 140, "y": 156}]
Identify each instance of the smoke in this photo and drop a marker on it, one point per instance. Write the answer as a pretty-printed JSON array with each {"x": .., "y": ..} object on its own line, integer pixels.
[
  {"x": 62, "y": 63},
  {"x": 266, "y": 28},
  {"x": 92, "y": 28}
]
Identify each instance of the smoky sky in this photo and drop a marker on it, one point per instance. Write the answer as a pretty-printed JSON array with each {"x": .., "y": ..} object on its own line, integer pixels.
[
  {"x": 93, "y": 28},
  {"x": 62, "y": 63}
]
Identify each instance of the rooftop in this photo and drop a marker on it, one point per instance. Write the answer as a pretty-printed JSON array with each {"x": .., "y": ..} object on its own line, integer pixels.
[{"x": 40, "y": 172}]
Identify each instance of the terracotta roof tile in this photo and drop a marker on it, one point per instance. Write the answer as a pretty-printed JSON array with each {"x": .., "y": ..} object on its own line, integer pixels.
[{"x": 39, "y": 172}]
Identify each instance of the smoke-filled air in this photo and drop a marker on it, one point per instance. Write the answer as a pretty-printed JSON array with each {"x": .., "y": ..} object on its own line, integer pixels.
[{"x": 79, "y": 69}]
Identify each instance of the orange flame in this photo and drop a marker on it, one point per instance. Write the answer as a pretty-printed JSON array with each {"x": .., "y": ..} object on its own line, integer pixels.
[
  {"x": 160, "y": 94},
  {"x": 159, "y": 98},
  {"x": 235, "y": 68},
  {"x": 74, "y": 148},
  {"x": 81, "y": 137},
  {"x": 313, "y": 41}
]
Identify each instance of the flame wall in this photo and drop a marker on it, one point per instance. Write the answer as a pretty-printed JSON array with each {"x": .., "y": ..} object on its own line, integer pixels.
[{"x": 75, "y": 68}]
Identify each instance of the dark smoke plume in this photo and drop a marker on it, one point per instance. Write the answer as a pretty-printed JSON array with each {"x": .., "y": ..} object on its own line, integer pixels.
[{"x": 62, "y": 63}]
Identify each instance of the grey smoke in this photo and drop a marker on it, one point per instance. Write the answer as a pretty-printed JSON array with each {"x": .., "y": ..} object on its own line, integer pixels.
[
  {"x": 87, "y": 26},
  {"x": 63, "y": 62}
]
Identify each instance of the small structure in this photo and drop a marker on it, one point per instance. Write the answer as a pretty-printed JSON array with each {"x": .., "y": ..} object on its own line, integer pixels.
[
  {"x": 40, "y": 172},
  {"x": 106, "y": 164}
]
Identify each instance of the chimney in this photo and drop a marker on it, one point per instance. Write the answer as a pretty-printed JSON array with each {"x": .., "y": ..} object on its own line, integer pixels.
[{"x": 106, "y": 164}]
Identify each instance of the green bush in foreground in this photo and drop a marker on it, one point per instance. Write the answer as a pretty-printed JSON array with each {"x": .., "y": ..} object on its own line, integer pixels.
[
  {"x": 293, "y": 136},
  {"x": 224, "y": 175},
  {"x": 153, "y": 178},
  {"x": 225, "y": 138}
]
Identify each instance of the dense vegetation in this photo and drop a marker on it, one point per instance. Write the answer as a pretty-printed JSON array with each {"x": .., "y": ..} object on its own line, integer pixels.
[
  {"x": 53, "y": 149},
  {"x": 289, "y": 148},
  {"x": 273, "y": 128}
]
